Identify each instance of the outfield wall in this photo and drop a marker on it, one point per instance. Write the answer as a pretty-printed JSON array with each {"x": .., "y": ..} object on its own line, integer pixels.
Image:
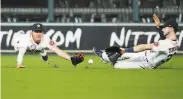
[{"x": 74, "y": 37}]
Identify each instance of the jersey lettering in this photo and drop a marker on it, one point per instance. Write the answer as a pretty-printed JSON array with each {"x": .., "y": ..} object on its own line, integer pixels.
[{"x": 173, "y": 49}]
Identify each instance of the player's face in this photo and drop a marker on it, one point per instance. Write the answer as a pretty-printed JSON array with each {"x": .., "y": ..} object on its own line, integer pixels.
[
  {"x": 37, "y": 35},
  {"x": 166, "y": 30}
]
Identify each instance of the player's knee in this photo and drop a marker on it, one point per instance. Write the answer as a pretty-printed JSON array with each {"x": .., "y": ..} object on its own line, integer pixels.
[{"x": 43, "y": 53}]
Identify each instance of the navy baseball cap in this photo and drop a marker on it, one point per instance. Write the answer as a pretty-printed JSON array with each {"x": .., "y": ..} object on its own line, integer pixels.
[
  {"x": 37, "y": 27},
  {"x": 171, "y": 23}
]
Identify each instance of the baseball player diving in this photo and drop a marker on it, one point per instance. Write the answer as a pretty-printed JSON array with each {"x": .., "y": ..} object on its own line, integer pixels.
[
  {"x": 144, "y": 55},
  {"x": 36, "y": 41}
]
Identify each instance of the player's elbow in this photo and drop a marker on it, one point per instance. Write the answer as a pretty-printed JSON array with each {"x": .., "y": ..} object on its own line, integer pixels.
[{"x": 149, "y": 46}]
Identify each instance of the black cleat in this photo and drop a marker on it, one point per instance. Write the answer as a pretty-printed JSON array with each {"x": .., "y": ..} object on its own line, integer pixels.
[
  {"x": 45, "y": 58},
  {"x": 97, "y": 52}
]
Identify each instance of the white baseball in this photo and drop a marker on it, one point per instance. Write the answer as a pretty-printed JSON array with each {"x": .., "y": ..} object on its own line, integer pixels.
[{"x": 90, "y": 61}]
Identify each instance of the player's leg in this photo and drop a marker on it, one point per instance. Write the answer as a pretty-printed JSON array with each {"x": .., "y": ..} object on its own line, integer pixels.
[
  {"x": 127, "y": 56},
  {"x": 44, "y": 55},
  {"x": 106, "y": 55},
  {"x": 127, "y": 60},
  {"x": 128, "y": 65},
  {"x": 105, "y": 58},
  {"x": 16, "y": 44},
  {"x": 132, "y": 60}
]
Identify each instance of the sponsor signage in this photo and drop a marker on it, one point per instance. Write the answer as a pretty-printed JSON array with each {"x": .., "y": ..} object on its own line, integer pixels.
[{"x": 87, "y": 36}]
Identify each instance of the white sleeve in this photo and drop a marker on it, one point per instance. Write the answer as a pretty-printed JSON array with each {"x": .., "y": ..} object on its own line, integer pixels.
[
  {"x": 49, "y": 43},
  {"x": 21, "y": 55}
]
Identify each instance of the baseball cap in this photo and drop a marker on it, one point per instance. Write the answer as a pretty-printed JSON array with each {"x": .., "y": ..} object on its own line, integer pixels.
[
  {"x": 37, "y": 27},
  {"x": 171, "y": 23}
]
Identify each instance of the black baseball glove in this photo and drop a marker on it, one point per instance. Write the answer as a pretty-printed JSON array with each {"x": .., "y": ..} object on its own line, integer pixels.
[
  {"x": 77, "y": 59},
  {"x": 113, "y": 53}
]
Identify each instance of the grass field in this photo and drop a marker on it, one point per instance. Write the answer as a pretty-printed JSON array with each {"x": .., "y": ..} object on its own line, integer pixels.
[{"x": 99, "y": 81}]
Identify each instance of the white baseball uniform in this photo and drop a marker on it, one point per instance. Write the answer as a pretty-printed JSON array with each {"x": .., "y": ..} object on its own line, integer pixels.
[
  {"x": 24, "y": 42},
  {"x": 161, "y": 52}
]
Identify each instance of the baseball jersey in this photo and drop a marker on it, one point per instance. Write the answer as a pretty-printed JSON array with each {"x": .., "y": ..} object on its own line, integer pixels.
[
  {"x": 162, "y": 52},
  {"x": 25, "y": 42}
]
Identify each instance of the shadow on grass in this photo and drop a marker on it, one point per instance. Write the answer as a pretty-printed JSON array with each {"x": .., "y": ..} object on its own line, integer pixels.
[
  {"x": 8, "y": 66},
  {"x": 173, "y": 68},
  {"x": 88, "y": 67}
]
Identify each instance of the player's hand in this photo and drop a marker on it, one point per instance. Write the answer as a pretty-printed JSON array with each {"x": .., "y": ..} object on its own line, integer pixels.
[
  {"x": 20, "y": 66},
  {"x": 156, "y": 20},
  {"x": 77, "y": 59},
  {"x": 122, "y": 50}
]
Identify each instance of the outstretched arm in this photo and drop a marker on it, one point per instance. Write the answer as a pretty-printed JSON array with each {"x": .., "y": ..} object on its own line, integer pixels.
[
  {"x": 142, "y": 47},
  {"x": 159, "y": 29},
  {"x": 138, "y": 48},
  {"x": 52, "y": 46},
  {"x": 61, "y": 53},
  {"x": 20, "y": 56},
  {"x": 74, "y": 59}
]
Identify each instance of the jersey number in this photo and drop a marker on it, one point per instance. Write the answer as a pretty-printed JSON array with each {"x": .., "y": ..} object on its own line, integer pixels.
[{"x": 171, "y": 50}]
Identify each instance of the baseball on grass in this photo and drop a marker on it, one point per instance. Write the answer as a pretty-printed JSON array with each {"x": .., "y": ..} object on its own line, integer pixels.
[{"x": 90, "y": 61}]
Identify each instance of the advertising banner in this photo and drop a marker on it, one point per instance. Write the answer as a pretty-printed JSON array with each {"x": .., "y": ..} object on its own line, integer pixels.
[{"x": 86, "y": 36}]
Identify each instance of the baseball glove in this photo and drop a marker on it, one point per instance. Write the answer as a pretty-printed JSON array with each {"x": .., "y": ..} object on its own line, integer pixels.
[
  {"x": 77, "y": 59},
  {"x": 113, "y": 53}
]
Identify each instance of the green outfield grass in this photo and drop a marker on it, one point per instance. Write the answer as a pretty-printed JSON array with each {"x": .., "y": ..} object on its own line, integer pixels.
[{"x": 99, "y": 81}]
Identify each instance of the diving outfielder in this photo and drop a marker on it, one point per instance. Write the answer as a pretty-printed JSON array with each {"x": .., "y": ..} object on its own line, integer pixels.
[
  {"x": 144, "y": 55},
  {"x": 36, "y": 41}
]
